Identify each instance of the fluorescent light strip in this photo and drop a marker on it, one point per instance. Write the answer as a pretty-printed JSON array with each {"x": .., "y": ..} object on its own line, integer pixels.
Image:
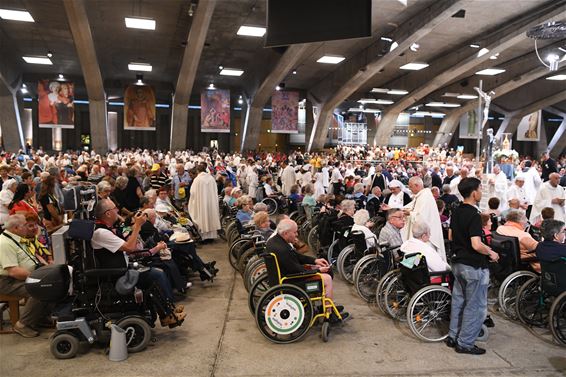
[
  {"x": 397, "y": 92},
  {"x": 467, "y": 96},
  {"x": 375, "y": 101},
  {"x": 414, "y": 66},
  {"x": 482, "y": 52},
  {"x": 330, "y": 59},
  {"x": 557, "y": 77},
  {"x": 37, "y": 60},
  {"x": 442, "y": 104},
  {"x": 490, "y": 71},
  {"x": 140, "y": 67},
  {"x": 231, "y": 72},
  {"x": 380, "y": 90},
  {"x": 251, "y": 31},
  {"x": 16, "y": 15},
  {"x": 140, "y": 23}
]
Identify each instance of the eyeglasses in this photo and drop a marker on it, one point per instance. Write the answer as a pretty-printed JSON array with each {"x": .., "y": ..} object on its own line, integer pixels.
[
  {"x": 110, "y": 209},
  {"x": 397, "y": 217}
]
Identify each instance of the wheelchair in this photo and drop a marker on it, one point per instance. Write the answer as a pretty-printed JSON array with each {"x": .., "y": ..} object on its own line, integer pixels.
[
  {"x": 351, "y": 254},
  {"x": 541, "y": 301},
  {"x": 292, "y": 305},
  {"x": 369, "y": 270},
  {"x": 242, "y": 242},
  {"x": 511, "y": 271},
  {"x": 86, "y": 300},
  {"x": 275, "y": 204}
]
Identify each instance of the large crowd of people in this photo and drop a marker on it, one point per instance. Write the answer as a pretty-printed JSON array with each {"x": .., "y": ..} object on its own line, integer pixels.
[{"x": 425, "y": 196}]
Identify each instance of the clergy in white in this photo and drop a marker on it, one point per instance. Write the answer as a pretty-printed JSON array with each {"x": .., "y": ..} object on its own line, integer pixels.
[
  {"x": 551, "y": 194},
  {"x": 423, "y": 209},
  {"x": 203, "y": 203},
  {"x": 499, "y": 184},
  {"x": 288, "y": 178},
  {"x": 517, "y": 191}
]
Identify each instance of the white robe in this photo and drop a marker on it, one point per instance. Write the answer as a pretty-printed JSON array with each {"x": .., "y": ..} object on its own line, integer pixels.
[
  {"x": 516, "y": 192},
  {"x": 288, "y": 179},
  {"x": 532, "y": 183},
  {"x": 433, "y": 261},
  {"x": 500, "y": 190},
  {"x": 252, "y": 182},
  {"x": 319, "y": 185},
  {"x": 543, "y": 199},
  {"x": 203, "y": 205},
  {"x": 423, "y": 208}
]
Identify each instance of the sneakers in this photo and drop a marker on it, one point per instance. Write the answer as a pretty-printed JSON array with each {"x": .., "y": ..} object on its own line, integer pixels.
[
  {"x": 189, "y": 284},
  {"x": 173, "y": 320},
  {"x": 334, "y": 318},
  {"x": 475, "y": 350},
  {"x": 450, "y": 342},
  {"x": 25, "y": 331}
]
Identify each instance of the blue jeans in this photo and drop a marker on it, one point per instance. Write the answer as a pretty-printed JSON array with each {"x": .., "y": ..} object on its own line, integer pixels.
[
  {"x": 156, "y": 275},
  {"x": 469, "y": 303}
]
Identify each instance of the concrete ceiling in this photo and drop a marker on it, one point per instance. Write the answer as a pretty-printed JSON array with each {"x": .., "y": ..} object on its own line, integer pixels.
[{"x": 117, "y": 45}]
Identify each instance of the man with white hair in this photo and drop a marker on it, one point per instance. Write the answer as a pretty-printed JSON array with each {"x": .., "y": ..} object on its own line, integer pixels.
[
  {"x": 550, "y": 195},
  {"x": 419, "y": 243},
  {"x": 291, "y": 262},
  {"x": 423, "y": 209}
]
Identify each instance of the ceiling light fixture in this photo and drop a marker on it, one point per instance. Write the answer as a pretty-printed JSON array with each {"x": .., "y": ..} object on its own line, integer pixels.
[
  {"x": 140, "y": 23},
  {"x": 375, "y": 101},
  {"x": 557, "y": 77},
  {"x": 294, "y": 72},
  {"x": 220, "y": 67},
  {"x": 24, "y": 89},
  {"x": 16, "y": 15},
  {"x": 414, "y": 66},
  {"x": 394, "y": 45},
  {"x": 546, "y": 31},
  {"x": 231, "y": 72},
  {"x": 442, "y": 104},
  {"x": 415, "y": 47},
  {"x": 482, "y": 52},
  {"x": 397, "y": 92},
  {"x": 144, "y": 67},
  {"x": 277, "y": 88},
  {"x": 490, "y": 71},
  {"x": 473, "y": 45},
  {"x": 467, "y": 96},
  {"x": 211, "y": 86},
  {"x": 37, "y": 60},
  {"x": 251, "y": 31},
  {"x": 240, "y": 100},
  {"x": 386, "y": 39},
  {"x": 330, "y": 59},
  {"x": 494, "y": 57},
  {"x": 450, "y": 94},
  {"x": 380, "y": 90},
  {"x": 139, "y": 78},
  {"x": 49, "y": 54}
]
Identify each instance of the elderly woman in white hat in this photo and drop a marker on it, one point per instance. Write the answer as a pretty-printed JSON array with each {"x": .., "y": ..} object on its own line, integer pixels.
[{"x": 397, "y": 198}]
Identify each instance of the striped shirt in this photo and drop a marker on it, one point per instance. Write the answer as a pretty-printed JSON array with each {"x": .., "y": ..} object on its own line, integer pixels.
[{"x": 390, "y": 235}]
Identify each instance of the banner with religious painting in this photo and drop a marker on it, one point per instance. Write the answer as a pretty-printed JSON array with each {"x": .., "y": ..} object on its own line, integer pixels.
[
  {"x": 284, "y": 112},
  {"x": 139, "y": 108},
  {"x": 56, "y": 104},
  {"x": 469, "y": 125},
  {"x": 215, "y": 110},
  {"x": 529, "y": 127}
]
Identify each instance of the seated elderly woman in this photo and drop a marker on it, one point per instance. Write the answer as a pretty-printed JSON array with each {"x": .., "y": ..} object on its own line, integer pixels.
[
  {"x": 245, "y": 213},
  {"x": 362, "y": 223},
  {"x": 263, "y": 224},
  {"x": 419, "y": 243},
  {"x": 345, "y": 216}
]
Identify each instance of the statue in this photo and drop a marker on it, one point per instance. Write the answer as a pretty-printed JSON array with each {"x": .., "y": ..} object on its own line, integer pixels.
[
  {"x": 489, "y": 151},
  {"x": 506, "y": 144}
]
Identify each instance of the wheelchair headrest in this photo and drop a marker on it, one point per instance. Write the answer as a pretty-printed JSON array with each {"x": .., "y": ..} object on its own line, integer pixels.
[{"x": 81, "y": 229}]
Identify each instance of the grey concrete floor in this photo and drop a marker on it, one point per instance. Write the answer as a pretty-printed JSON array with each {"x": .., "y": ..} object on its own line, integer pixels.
[{"x": 220, "y": 338}]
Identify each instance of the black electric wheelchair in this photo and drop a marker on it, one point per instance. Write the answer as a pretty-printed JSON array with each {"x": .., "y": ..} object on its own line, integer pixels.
[
  {"x": 293, "y": 304},
  {"x": 86, "y": 300}
]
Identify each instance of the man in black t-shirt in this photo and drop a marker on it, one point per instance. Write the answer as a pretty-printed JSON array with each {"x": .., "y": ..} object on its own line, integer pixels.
[{"x": 470, "y": 268}]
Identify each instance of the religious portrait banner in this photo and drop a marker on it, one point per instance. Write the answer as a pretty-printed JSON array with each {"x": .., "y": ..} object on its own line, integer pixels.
[
  {"x": 139, "y": 108},
  {"x": 215, "y": 110},
  {"x": 469, "y": 125},
  {"x": 285, "y": 112},
  {"x": 56, "y": 104},
  {"x": 529, "y": 127}
]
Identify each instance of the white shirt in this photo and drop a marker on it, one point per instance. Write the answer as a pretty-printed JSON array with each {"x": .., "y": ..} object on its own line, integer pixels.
[
  {"x": 370, "y": 237},
  {"x": 433, "y": 260},
  {"x": 516, "y": 192},
  {"x": 105, "y": 239},
  {"x": 396, "y": 200}
]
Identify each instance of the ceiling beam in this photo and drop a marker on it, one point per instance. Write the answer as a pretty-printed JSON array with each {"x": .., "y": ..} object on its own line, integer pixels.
[
  {"x": 188, "y": 72},
  {"x": 558, "y": 142},
  {"x": 407, "y": 34},
  {"x": 84, "y": 44},
  {"x": 252, "y": 124},
  {"x": 445, "y": 71}
]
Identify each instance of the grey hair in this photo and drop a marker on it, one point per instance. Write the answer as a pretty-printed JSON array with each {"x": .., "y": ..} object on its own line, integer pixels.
[
  {"x": 104, "y": 186},
  {"x": 515, "y": 216},
  {"x": 420, "y": 229},
  {"x": 121, "y": 182},
  {"x": 150, "y": 193},
  {"x": 14, "y": 221},
  {"x": 258, "y": 207},
  {"x": 358, "y": 187},
  {"x": 446, "y": 189},
  {"x": 347, "y": 204},
  {"x": 550, "y": 227},
  {"x": 101, "y": 208},
  {"x": 416, "y": 180},
  {"x": 361, "y": 217},
  {"x": 285, "y": 225}
]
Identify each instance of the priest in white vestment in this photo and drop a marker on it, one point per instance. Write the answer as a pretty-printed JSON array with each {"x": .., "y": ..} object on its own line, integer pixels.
[
  {"x": 203, "y": 203},
  {"x": 499, "y": 184},
  {"x": 550, "y": 194},
  {"x": 517, "y": 191},
  {"x": 423, "y": 209},
  {"x": 288, "y": 178}
]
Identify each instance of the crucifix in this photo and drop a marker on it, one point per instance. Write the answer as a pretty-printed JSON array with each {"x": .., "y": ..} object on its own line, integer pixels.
[{"x": 482, "y": 120}]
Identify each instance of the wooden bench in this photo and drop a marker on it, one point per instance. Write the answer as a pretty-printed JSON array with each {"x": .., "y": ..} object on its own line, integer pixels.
[{"x": 12, "y": 303}]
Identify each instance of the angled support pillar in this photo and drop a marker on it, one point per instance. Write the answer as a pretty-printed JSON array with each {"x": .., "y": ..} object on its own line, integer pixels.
[
  {"x": 10, "y": 121},
  {"x": 386, "y": 127},
  {"x": 84, "y": 44},
  {"x": 188, "y": 72},
  {"x": 558, "y": 142}
]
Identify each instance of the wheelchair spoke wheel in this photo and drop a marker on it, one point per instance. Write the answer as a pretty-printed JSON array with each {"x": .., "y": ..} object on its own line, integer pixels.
[
  {"x": 367, "y": 279},
  {"x": 258, "y": 288},
  {"x": 531, "y": 305},
  {"x": 558, "y": 319},
  {"x": 271, "y": 204},
  {"x": 359, "y": 264},
  {"x": 312, "y": 239},
  {"x": 138, "y": 333},
  {"x": 396, "y": 299},
  {"x": 428, "y": 313},
  {"x": 64, "y": 345},
  {"x": 380, "y": 290},
  {"x": 284, "y": 314},
  {"x": 255, "y": 270},
  {"x": 508, "y": 292}
]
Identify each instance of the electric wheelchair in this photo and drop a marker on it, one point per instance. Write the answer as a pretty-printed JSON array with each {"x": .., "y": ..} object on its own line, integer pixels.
[
  {"x": 293, "y": 304},
  {"x": 86, "y": 300}
]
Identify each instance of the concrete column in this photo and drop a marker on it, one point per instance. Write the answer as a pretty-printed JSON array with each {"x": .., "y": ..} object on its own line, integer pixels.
[
  {"x": 558, "y": 142},
  {"x": 10, "y": 121},
  {"x": 57, "y": 139},
  {"x": 98, "y": 125},
  {"x": 372, "y": 120},
  {"x": 179, "y": 126},
  {"x": 27, "y": 124},
  {"x": 112, "y": 130}
]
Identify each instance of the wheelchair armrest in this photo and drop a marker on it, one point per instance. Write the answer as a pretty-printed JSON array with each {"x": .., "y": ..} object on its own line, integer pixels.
[
  {"x": 443, "y": 274},
  {"x": 308, "y": 273},
  {"x": 105, "y": 272}
]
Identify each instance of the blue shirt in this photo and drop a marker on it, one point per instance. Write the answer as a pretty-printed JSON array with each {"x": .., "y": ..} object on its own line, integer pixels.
[
  {"x": 550, "y": 251},
  {"x": 244, "y": 217}
]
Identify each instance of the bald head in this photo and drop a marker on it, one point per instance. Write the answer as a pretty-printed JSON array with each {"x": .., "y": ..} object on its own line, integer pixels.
[{"x": 554, "y": 179}]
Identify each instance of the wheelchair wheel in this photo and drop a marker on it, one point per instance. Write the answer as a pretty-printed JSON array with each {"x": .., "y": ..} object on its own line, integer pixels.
[
  {"x": 312, "y": 239},
  {"x": 558, "y": 319},
  {"x": 294, "y": 215},
  {"x": 325, "y": 331},
  {"x": 236, "y": 249},
  {"x": 359, "y": 264},
  {"x": 483, "y": 336},
  {"x": 64, "y": 345},
  {"x": 396, "y": 299},
  {"x": 530, "y": 304},
  {"x": 254, "y": 271},
  {"x": 284, "y": 314},
  {"x": 245, "y": 258},
  {"x": 138, "y": 333},
  {"x": 271, "y": 204},
  {"x": 380, "y": 290},
  {"x": 259, "y": 287},
  {"x": 367, "y": 278},
  {"x": 428, "y": 313},
  {"x": 346, "y": 263},
  {"x": 508, "y": 291},
  {"x": 332, "y": 254}
]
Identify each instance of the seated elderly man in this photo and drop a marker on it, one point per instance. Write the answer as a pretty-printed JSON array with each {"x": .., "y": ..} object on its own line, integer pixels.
[
  {"x": 391, "y": 233},
  {"x": 362, "y": 224},
  {"x": 16, "y": 264},
  {"x": 419, "y": 243},
  {"x": 515, "y": 224},
  {"x": 113, "y": 250},
  {"x": 291, "y": 262},
  {"x": 553, "y": 246}
]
